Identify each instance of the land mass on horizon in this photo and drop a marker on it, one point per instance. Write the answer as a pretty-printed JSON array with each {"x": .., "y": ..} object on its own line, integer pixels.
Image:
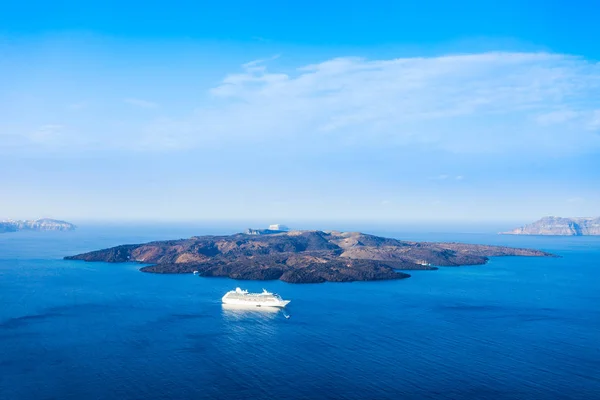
[
  {"x": 558, "y": 226},
  {"x": 42, "y": 224},
  {"x": 300, "y": 256}
]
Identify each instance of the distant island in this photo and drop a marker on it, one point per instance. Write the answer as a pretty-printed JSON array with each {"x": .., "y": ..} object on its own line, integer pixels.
[
  {"x": 42, "y": 224},
  {"x": 558, "y": 226},
  {"x": 300, "y": 256}
]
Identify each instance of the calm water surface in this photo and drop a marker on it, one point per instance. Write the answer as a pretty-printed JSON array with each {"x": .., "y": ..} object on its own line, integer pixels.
[{"x": 514, "y": 328}]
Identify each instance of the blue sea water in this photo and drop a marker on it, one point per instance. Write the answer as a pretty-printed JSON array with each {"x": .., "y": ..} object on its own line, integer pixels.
[{"x": 512, "y": 329}]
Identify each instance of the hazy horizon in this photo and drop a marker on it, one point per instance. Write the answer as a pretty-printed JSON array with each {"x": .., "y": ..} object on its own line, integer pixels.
[{"x": 224, "y": 226}]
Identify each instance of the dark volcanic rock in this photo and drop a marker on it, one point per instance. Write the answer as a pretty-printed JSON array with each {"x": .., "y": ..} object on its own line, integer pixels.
[
  {"x": 117, "y": 254},
  {"x": 300, "y": 256}
]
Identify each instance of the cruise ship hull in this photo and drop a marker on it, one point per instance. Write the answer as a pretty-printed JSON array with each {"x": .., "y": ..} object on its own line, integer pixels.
[
  {"x": 247, "y": 303},
  {"x": 236, "y": 309}
]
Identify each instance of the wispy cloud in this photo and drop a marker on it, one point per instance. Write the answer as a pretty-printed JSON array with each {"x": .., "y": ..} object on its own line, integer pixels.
[
  {"x": 254, "y": 63},
  {"x": 501, "y": 103},
  {"x": 140, "y": 103},
  {"x": 557, "y": 117},
  {"x": 444, "y": 177},
  {"x": 490, "y": 102}
]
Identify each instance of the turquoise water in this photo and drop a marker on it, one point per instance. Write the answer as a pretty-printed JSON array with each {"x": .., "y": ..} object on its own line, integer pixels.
[{"x": 514, "y": 328}]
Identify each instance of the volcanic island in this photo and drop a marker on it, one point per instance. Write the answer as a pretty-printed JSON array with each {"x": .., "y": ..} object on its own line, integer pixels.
[{"x": 300, "y": 256}]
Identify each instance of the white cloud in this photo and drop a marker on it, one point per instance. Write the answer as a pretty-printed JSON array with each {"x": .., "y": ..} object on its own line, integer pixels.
[
  {"x": 140, "y": 103},
  {"x": 444, "y": 177},
  {"x": 256, "y": 63},
  {"x": 490, "y": 102},
  {"x": 556, "y": 117},
  {"x": 502, "y": 103}
]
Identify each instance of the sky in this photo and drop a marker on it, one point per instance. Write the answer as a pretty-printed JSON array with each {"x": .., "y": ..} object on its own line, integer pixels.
[{"x": 286, "y": 111}]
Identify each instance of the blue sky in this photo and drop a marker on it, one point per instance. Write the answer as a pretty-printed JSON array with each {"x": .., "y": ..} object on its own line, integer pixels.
[{"x": 378, "y": 111}]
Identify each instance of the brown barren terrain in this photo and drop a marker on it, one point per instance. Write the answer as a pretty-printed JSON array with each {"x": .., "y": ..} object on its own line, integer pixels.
[{"x": 300, "y": 256}]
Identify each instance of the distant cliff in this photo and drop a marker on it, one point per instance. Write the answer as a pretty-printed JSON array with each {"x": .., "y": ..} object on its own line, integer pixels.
[
  {"x": 559, "y": 227},
  {"x": 300, "y": 256},
  {"x": 42, "y": 224}
]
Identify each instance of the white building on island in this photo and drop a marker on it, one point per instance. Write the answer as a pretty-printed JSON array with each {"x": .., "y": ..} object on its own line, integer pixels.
[{"x": 278, "y": 227}]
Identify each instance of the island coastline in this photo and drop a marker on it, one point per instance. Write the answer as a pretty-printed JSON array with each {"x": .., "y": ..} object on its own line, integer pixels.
[{"x": 300, "y": 256}]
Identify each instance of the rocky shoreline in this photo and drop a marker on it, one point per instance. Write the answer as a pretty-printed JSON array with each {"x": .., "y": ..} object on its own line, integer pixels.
[{"x": 300, "y": 256}]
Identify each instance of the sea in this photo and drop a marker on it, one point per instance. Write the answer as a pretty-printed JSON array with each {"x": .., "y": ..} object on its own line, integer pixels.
[{"x": 515, "y": 328}]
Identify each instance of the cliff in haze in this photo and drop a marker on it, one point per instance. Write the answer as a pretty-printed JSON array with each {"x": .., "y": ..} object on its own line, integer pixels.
[
  {"x": 300, "y": 256},
  {"x": 559, "y": 226},
  {"x": 42, "y": 224}
]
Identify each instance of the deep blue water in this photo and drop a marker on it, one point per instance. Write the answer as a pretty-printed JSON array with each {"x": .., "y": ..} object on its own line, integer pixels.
[{"x": 512, "y": 329}]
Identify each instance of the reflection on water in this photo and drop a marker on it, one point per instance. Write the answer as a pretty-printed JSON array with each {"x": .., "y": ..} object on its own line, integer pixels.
[
  {"x": 235, "y": 311},
  {"x": 248, "y": 327}
]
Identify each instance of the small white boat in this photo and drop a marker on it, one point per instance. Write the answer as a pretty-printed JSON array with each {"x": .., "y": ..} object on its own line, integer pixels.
[{"x": 243, "y": 298}]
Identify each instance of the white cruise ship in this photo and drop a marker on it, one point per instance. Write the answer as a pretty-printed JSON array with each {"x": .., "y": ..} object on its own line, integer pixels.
[{"x": 241, "y": 297}]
